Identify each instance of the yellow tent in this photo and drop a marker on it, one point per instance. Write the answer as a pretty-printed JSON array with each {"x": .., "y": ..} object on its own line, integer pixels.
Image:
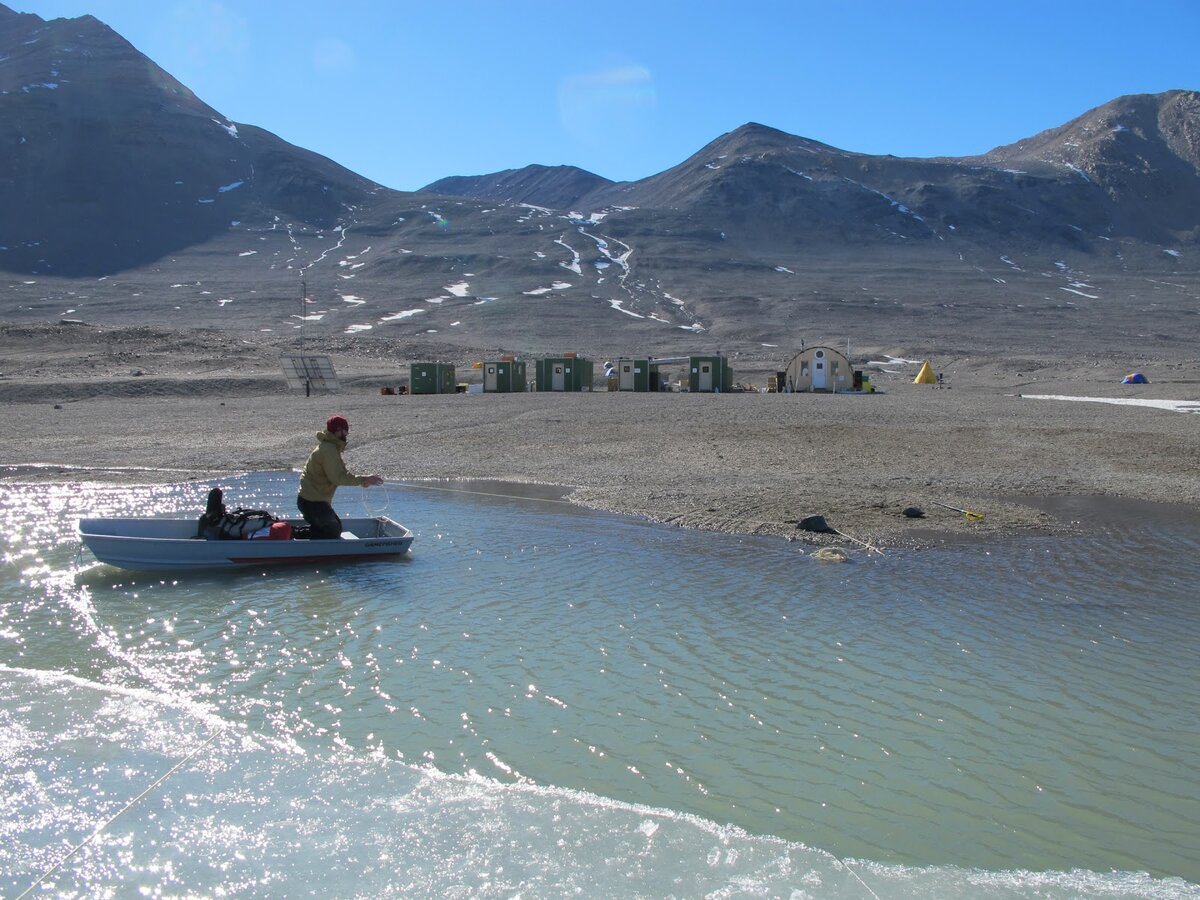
[{"x": 925, "y": 376}]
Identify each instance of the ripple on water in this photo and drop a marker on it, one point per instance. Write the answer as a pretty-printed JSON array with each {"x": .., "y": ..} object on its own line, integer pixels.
[{"x": 951, "y": 715}]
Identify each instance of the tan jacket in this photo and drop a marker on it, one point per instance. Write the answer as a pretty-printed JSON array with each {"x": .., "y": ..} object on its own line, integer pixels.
[{"x": 325, "y": 471}]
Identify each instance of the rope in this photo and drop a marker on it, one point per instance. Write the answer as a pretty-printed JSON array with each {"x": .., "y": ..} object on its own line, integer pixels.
[
  {"x": 857, "y": 541},
  {"x": 430, "y": 487},
  {"x": 858, "y": 877},
  {"x": 128, "y": 806},
  {"x": 373, "y": 511}
]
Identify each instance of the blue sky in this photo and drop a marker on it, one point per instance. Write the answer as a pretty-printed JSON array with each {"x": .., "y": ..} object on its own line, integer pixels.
[{"x": 405, "y": 92}]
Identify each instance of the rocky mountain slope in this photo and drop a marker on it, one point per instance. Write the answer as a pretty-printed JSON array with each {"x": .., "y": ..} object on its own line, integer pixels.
[
  {"x": 107, "y": 162},
  {"x": 125, "y": 198},
  {"x": 557, "y": 187}
]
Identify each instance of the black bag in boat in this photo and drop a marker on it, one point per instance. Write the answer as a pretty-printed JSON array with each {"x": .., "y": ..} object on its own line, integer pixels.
[
  {"x": 241, "y": 523},
  {"x": 218, "y": 523}
]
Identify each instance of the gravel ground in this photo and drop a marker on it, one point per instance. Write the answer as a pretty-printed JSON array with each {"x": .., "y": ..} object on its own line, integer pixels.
[{"x": 742, "y": 462}]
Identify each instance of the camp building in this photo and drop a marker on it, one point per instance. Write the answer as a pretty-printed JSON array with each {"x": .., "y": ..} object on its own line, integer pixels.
[
  {"x": 432, "y": 378},
  {"x": 709, "y": 374},
  {"x": 639, "y": 375},
  {"x": 563, "y": 373},
  {"x": 818, "y": 369},
  {"x": 504, "y": 376}
]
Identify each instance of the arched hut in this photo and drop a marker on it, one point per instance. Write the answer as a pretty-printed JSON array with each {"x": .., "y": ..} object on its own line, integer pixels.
[{"x": 818, "y": 369}]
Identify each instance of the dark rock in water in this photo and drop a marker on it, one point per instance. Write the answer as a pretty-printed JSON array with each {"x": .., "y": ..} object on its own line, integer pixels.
[
  {"x": 816, "y": 524},
  {"x": 914, "y": 512}
]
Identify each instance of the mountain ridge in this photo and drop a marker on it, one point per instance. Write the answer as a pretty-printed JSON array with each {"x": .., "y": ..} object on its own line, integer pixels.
[
  {"x": 124, "y": 197},
  {"x": 553, "y": 186},
  {"x": 97, "y": 139}
]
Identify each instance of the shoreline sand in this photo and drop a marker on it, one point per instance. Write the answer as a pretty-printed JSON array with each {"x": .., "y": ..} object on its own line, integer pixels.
[{"x": 743, "y": 463}]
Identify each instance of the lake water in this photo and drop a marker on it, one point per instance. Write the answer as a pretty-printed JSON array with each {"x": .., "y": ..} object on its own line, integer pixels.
[{"x": 541, "y": 701}]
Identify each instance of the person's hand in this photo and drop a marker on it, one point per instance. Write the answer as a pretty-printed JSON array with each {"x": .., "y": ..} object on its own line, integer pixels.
[{"x": 372, "y": 480}]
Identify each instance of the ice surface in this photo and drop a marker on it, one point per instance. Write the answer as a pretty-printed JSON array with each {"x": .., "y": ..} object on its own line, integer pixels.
[
  {"x": 573, "y": 265},
  {"x": 616, "y": 304},
  {"x": 1170, "y": 405},
  {"x": 556, "y": 286}
]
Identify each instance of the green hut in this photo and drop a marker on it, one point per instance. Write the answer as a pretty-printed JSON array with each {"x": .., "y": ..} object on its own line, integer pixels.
[
  {"x": 504, "y": 376},
  {"x": 709, "y": 374},
  {"x": 431, "y": 378},
  {"x": 563, "y": 373},
  {"x": 638, "y": 375}
]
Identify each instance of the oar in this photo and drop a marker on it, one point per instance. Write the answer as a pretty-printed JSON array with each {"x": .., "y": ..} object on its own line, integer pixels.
[{"x": 970, "y": 514}]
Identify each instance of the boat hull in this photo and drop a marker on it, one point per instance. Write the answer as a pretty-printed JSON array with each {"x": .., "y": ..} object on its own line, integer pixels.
[{"x": 170, "y": 544}]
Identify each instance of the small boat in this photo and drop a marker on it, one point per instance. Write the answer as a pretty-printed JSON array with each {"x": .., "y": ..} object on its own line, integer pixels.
[{"x": 162, "y": 544}]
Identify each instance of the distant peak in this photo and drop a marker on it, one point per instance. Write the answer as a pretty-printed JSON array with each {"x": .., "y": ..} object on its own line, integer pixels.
[
  {"x": 756, "y": 137},
  {"x": 11, "y": 15},
  {"x": 757, "y": 128}
]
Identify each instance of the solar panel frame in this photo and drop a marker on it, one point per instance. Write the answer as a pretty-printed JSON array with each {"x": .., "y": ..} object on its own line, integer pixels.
[{"x": 309, "y": 371}]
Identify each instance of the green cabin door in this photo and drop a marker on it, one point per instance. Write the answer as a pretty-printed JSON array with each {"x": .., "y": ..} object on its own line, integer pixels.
[
  {"x": 706, "y": 377},
  {"x": 559, "y": 381}
]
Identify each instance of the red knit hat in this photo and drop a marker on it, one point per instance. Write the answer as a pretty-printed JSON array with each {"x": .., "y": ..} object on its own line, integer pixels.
[{"x": 336, "y": 423}]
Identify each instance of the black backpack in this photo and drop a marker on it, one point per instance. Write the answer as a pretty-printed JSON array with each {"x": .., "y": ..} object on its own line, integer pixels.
[{"x": 218, "y": 523}]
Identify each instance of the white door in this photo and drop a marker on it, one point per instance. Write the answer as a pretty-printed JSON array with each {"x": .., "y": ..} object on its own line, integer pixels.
[
  {"x": 705, "y": 377},
  {"x": 818, "y": 379},
  {"x": 626, "y": 377},
  {"x": 559, "y": 383},
  {"x": 489, "y": 378}
]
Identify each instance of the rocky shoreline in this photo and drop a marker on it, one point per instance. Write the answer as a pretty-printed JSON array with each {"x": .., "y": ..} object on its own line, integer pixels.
[{"x": 748, "y": 463}]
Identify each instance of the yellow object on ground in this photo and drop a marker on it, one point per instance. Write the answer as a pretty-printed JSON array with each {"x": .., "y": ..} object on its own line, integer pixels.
[{"x": 925, "y": 376}]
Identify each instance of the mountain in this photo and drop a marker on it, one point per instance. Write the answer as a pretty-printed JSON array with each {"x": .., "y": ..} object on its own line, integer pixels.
[
  {"x": 1130, "y": 168},
  {"x": 557, "y": 187},
  {"x": 108, "y": 162},
  {"x": 1142, "y": 152},
  {"x": 126, "y": 198}
]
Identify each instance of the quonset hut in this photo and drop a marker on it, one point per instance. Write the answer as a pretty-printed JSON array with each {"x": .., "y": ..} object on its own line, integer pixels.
[{"x": 818, "y": 369}]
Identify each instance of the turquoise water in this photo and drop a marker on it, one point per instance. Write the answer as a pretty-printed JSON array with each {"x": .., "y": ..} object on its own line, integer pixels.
[{"x": 541, "y": 701}]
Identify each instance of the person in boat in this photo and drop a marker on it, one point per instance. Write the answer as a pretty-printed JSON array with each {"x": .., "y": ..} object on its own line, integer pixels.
[{"x": 323, "y": 474}]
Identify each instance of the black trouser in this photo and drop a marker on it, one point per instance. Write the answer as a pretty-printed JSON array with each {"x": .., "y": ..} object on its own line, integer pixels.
[{"x": 320, "y": 515}]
